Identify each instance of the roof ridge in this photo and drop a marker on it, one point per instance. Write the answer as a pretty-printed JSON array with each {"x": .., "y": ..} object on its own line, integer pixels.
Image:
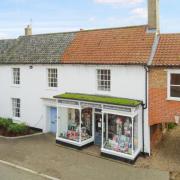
[
  {"x": 169, "y": 34},
  {"x": 86, "y": 30},
  {"x": 123, "y": 27},
  {"x": 7, "y": 39},
  {"x": 54, "y": 33}
]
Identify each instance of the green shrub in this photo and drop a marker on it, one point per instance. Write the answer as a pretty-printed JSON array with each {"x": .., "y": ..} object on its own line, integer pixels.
[
  {"x": 5, "y": 123},
  {"x": 171, "y": 125},
  {"x": 17, "y": 128}
]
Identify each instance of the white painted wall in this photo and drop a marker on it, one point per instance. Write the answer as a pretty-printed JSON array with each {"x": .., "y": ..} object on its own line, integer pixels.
[{"x": 126, "y": 81}]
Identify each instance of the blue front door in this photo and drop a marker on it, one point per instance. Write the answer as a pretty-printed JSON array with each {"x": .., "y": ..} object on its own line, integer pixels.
[{"x": 53, "y": 119}]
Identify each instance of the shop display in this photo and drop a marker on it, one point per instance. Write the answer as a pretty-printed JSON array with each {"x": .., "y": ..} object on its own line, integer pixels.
[
  {"x": 135, "y": 137},
  {"x": 86, "y": 126},
  {"x": 119, "y": 135},
  {"x": 73, "y": 128}
]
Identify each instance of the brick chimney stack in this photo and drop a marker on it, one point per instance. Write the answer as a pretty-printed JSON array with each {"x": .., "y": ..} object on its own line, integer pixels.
[
  {"x": 28, "y": 30},
  {"x": 153, "y": 15}
]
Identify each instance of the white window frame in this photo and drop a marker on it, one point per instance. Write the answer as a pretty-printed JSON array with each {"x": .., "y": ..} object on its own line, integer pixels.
[
  {"x": 16, "y": 108},
  {"x": 99, "y": 80},
  {"x": 169, "y": 72},
  {"x": 16, "y": 80},
  {"x": 49, "y": 78}
]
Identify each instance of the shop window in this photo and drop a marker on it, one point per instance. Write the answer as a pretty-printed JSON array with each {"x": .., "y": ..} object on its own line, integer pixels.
[
  {"x": 118, "y": 133},
  {"x": 70, "y": 127},
  {"x": 52, "y": 77},
  {"x": 135, "y": 133},
  {"x": 86, "y": 125},
  {"x": 175, "y": 85},
  {"x": 104, "y": 79}
]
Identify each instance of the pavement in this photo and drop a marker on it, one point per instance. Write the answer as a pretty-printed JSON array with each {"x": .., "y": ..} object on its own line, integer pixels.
[
  {"x": 41, "y": 154},
  {"x": 11, "y": 173},
  {"x": 166, "y": 156}
]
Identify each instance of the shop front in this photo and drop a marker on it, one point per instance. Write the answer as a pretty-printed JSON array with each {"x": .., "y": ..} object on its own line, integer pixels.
[{"x": 115, "y": 124}]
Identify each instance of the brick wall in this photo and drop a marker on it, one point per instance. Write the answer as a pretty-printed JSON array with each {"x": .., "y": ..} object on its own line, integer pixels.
[
  {"x": 156, "y": 134},
  {"x": 161, "y": 110}
]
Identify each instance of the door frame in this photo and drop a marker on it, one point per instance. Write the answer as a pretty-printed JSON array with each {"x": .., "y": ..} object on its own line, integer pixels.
[
  {"x": 48, "y": 117},
  {"x": 100, "y": 113},
  {"x": 51, "y": 117}
]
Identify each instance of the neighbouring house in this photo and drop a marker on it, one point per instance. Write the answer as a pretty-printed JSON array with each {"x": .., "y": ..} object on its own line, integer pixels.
[
  {"x": 164, "y": 85},
  {"x": 99, "y": 86}
]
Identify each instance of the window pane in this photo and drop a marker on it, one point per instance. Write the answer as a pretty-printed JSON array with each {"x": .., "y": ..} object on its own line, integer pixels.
[
  {"x": 135, "y": 130},
  {"x": 86, "y": 126},
  {"x": 70, "y": 124},
  {"x": 118, "y": 134},
  {"x": 175, "y": 91},
  {"x": 175, "y": 79}
]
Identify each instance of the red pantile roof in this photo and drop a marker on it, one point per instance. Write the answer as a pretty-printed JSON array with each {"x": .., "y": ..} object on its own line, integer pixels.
[
  {"x": 168, "y": 51},
  {"x": 128, "y": 45}
]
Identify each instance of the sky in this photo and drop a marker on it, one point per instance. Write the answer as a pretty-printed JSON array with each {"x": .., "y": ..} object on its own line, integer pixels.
[{"x": 48, "y": 16}]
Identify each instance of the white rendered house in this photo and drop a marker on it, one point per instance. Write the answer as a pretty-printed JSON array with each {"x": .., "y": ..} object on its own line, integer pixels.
[{"x": 86, "y": 87}]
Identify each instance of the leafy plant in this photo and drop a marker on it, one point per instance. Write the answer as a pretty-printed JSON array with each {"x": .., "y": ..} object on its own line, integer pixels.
[
  {"x": 17, "y": 128},
  {"x": 5, "y": 123},
  {"x": 171, "y": 125}
]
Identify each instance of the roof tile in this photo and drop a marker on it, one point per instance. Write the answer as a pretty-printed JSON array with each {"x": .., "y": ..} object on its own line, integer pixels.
[
  {"x": 168, "y": 51},
  {"x": 130, "y": 45}
]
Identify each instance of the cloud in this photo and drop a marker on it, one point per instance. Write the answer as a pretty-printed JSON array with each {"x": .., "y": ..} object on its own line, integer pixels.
[
  {"x": 92, "y": 19},
  {"x": 139, "y": 12},
  {"x": 118, "y": 2},
  {"x": 3, "y": 36}
]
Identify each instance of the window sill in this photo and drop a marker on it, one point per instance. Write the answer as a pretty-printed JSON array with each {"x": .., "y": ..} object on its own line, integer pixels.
[
  {"x": 103, "y": 91},
  {"x": 173, "y": 99},
  {"x": 16, "y": 119},
  {"x": 15, "y": 86},
  {"x": 52, "y": 88}
]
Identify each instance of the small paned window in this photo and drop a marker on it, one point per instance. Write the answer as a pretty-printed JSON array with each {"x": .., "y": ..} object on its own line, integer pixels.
[
  {"x": 52, "y": 77},
  {"x": 104, "y": 79},
  {"x": 16, "y": 76},
  {"x": 175, "y": 85},
  {"x": 16, "y": 107}
]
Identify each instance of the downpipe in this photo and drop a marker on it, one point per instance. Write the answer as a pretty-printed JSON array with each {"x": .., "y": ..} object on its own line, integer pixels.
[{"x": 144, "y": 105}]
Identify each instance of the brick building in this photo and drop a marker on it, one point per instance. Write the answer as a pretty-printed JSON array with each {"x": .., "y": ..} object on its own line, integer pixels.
[{"x": 164, "y": 85}]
